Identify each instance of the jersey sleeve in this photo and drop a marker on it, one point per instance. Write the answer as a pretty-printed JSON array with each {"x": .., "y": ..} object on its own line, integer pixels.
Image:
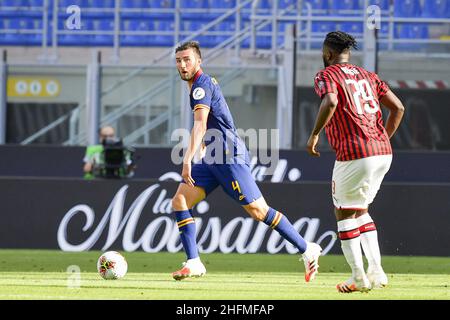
[
  {"x": 324, "y": 84},
  {"x": 201, "y": 96},
  {"x": 382, "y": 87}
]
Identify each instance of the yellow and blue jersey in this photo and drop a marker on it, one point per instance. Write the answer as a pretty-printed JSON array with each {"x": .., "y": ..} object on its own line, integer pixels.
[
  {"x": 206, "y": 93},
  {"x": 226, "y": 162}
]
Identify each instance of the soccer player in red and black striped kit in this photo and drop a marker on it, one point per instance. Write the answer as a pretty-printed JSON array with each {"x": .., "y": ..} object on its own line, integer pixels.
[{"x": 351, "y": 115}]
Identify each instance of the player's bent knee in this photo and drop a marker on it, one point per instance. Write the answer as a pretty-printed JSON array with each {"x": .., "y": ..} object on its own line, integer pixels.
[
  {"x": 179, "y": 203},
  {"x": 259, "y": 216},
  {"x": 257, "y": 212}
]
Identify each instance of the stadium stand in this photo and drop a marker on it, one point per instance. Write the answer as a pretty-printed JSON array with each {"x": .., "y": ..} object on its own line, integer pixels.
[
  {"x": 407, "y": 8},
  {"x": 436, "y": 9},
  {"x": 152, "y": 22},
  {"x": 383, "y": 4}
]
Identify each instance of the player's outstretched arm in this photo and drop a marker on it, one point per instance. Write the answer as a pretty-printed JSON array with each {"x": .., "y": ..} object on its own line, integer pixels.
[
  {"x": 396, "y": 111},
  {"x": 326, "y": 111}
]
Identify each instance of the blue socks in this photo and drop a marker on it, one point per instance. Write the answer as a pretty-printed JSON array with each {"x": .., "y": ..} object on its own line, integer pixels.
[
  {"x": 186, "y": 225},
  {"x": 276, "y": 220}
]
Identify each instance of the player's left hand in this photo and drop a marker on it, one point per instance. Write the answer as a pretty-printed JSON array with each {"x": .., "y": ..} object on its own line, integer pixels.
[
  {"x": 311, "y": 145},
  {"x": 186, "y": 174}
]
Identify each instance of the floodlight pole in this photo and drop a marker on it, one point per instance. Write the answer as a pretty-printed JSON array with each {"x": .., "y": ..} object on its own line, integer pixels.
[
  {"x": 93, "y": 96},
  {"x": 286, "y": 88},
  {"x": 371, "y": 24}
]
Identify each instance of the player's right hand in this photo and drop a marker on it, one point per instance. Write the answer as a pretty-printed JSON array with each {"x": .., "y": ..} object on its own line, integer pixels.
[
  {"x": 311, "y": 145},
  {"x": 186, "y": 174}
]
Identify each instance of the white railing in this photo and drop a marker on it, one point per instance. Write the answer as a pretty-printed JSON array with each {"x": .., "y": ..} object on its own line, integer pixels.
[{"x": 244, "y": 12}]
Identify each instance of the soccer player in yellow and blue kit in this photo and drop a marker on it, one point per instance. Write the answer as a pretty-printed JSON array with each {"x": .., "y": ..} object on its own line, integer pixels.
[{"x": 226, "y": 163}]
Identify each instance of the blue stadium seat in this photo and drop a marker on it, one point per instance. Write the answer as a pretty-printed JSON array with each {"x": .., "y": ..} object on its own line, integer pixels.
[
  {"x": 184, "y": 29},
  {"x": 103, "y": 3},
  {"x": 407, "y": 8},
  {"x": 435, "y": 8},
  {"x": 5, "y": 38},
  {"x": 319, "y": 7},
  {"x": 323, "y": 27},
  {"x": 78, "y": 39},
  {"x": 165, "y": 40},
  {"x": 14, "y": 37},
  {"x": 135, "y": 4},
  {"x": 36, "y": 38},
  {"x": 104, "y": 39},
  {"x": 383, "y": 4},
  {"x": 345, "y": 5},
  {"x": 264, "y": 41},
  {"x": 286, "y": 3},
  {"x": 162, "y": 4},
  {"x": 138, "y": 40},
  {"x": 383, "y": 33},
  {"x": 36, "y": 3},
  {"x": 80, "y": 3},
  {"x": 263, "y": 7},
  {"x": 354, "y": 28},
  {"x": 193, "y": 5},
  {"x": 265, "y": 4},
  {"x": 291, "y": 4},
  {"x": 22, "y": 9},
  {"x": 410, "y": 31},
  {"x": 227, "y": 28},
  {"x": 205, "y": 40},
  {"x": 11, "y": 3},
  {"x": 320, "y": 30},
  {"x": 224, "y": 4},
  {"x": 13, "y": 9},
  {"x": 2, "y": 26}
]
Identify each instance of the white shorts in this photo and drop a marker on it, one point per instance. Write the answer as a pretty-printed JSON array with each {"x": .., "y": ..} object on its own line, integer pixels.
[{"x": 356, "y": 183}]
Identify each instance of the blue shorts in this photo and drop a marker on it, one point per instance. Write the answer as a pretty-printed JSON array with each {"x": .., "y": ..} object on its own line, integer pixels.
[{"x": 236, "y": 180}]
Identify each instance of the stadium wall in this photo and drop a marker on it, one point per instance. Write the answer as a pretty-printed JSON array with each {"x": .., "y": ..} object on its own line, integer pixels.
[
  {"x": 152, "y": 163},
  {"x": 77, "y": 215}
]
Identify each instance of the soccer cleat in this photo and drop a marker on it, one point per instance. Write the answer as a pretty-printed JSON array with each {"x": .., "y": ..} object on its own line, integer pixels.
[
  {"x": 190, "y": 270},
  {"x": 311, "y": 260},
  {"x": 377, "y": 278},
  {"x": 352, "y": 285}
]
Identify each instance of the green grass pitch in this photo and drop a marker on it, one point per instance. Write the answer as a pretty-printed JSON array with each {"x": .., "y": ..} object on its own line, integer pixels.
[{"x": 45, "y": 274}]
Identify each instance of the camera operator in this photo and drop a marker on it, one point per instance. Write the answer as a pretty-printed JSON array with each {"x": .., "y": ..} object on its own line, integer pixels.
[{"x": 110, "y": 159}]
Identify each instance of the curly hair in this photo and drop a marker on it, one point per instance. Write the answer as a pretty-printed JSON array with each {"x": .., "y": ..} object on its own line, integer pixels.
[{"x": 339, "y": 41}]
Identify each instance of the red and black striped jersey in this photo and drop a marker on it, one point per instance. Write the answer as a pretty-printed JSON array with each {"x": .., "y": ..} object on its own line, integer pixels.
[{"x": 356, "y": 129}]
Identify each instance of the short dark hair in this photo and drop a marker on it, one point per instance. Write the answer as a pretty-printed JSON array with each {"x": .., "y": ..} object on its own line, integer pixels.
[
  {"x": 190, "y": 45},
  {"x": 339, "y": 41}
]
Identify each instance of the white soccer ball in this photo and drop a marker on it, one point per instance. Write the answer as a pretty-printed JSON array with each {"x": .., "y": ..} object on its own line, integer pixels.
[{"x": 112, "y": 265}]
